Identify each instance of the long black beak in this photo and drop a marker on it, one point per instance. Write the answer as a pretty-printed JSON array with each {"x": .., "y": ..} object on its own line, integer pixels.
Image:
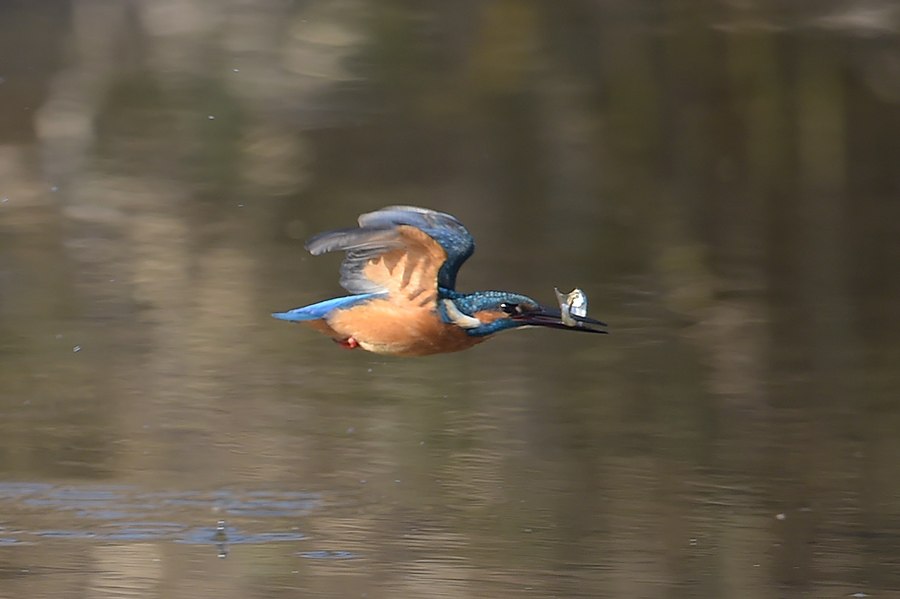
[{"x": 552, "y": 318}]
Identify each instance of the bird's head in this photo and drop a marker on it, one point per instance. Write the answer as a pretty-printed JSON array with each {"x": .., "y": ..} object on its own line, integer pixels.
[{"x": 487, "y": 312}]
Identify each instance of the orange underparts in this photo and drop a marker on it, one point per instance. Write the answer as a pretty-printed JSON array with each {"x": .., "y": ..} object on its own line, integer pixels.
[{"x": 382, "y": 327}]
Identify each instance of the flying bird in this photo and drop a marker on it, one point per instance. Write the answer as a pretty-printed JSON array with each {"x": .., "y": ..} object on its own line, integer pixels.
[{"x": 400, "y": 268}]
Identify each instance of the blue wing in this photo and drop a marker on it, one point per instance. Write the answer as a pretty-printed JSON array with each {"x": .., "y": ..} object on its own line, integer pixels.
[{"x": 382, "y": 231}]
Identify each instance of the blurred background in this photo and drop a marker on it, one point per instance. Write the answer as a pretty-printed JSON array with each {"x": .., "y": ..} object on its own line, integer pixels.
[{"x": 720, "y": 177}]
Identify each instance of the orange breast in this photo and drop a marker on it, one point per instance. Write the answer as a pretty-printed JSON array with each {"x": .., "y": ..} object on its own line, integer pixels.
[{"x": 383, "y": 327}]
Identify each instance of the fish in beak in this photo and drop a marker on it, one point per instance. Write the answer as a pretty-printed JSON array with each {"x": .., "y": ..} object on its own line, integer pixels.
[{"x": 545, "y": 316}]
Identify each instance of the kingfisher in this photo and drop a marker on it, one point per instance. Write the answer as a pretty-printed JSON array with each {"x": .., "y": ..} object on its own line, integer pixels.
[{"x": 400, "y": 268}]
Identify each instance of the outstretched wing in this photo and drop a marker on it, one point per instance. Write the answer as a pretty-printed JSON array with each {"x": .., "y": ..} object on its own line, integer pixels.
[{"x": 399, "y": 249}]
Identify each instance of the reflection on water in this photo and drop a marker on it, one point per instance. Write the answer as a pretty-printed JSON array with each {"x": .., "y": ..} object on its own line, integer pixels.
[
  {"x": 720, "y": 180},
  {"x": 123, "y": 513}
]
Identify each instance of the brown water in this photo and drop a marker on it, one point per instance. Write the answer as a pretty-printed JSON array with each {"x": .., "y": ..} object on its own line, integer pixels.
[{"x": 721, "y": 181}]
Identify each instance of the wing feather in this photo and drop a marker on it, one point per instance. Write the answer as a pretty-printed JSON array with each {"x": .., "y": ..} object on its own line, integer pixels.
[
  {"x": 451, "y": 234},
  {"x": 401, "y": 250}
]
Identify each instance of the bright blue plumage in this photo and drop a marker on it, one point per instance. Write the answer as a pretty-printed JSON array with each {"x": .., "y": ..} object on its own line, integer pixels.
[
  {"x": 321, "y": 309},
  {"x": 401, "y": 266}
]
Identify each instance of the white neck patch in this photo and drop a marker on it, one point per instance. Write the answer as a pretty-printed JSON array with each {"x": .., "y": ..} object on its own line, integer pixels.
[{"x": 462, "y": 320}]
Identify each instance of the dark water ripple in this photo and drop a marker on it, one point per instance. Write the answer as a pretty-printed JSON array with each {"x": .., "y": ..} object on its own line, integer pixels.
[{"x": 129, "y": 514}]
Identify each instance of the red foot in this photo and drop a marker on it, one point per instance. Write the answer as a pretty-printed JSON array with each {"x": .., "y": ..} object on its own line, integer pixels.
[{"x": 348, "y": 343}]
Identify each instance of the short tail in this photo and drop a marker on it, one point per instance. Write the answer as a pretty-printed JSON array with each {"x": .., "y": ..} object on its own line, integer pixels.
[
  {"x": 321, "y": 309},
  {"x": 293, "y": 315}
]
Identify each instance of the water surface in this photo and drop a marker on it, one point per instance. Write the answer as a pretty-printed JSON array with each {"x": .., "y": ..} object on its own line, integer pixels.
[{"x": 721, "y": 181}]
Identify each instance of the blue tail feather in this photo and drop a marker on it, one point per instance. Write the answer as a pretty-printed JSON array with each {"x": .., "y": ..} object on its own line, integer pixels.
[{"x": 321, "y": 309}]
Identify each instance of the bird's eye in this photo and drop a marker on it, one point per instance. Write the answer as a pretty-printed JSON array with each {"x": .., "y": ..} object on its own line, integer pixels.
[{"x": 509, "y": 308}]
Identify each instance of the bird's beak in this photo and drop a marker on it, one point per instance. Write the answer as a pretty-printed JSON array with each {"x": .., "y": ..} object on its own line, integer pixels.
[{"x": 552, "y": 318}]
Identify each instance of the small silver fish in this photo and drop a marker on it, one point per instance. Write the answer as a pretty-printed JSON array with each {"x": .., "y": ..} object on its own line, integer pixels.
[{"x": 572, "y": 304}]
